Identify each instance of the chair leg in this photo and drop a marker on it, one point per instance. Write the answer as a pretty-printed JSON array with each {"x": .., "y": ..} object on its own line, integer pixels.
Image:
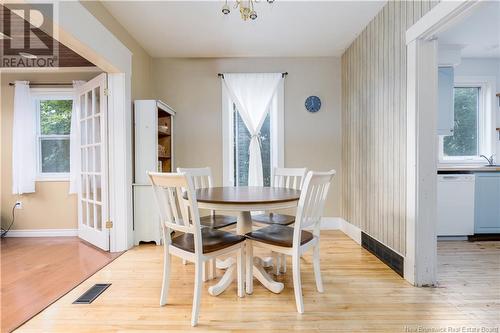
[
  {"x": 297, "y": 286},
  {"x": 249, "y": 267},
  {"x": 166, "y": 276},
  {"x": 197, "y": 292},
  {"x": 205, "y": 271},
  {"x": 240, "y": 262},
  {"x": 317, "y": 271},
  {"x": 277, "y": 263},
  {"x": 212, "y": 272},
  {"x": 283, "y": 263}
]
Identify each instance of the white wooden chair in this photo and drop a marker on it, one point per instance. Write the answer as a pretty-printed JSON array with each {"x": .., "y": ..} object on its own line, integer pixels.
[
  {"x": 202, "y": 178},
  {"x": 178, "y": 209},
  {"x": 292, "y": 178},
  {"x": 295, "y": 241}
]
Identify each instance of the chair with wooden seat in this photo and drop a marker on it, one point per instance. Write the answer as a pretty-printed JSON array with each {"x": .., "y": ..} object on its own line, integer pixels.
[
  {"x": 286, "y": 178},
  {"x": 195, "y": 244},
  {"x": 292, "y": 178},
  {"x": 202, "y": 178},
  {"x": 294, "y": 241}
]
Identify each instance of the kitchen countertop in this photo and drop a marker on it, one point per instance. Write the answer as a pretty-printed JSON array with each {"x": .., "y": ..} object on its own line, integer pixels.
[{"x": 469, "y": 168}]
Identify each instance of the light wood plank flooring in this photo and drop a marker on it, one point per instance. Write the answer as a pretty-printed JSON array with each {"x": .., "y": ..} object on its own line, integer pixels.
[
  {"x": 361, "y": 294},
  {"x": 37, "y": 271}
]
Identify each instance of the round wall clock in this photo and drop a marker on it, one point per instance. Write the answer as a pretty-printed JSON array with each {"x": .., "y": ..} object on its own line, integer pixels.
[{"x": 313, "y": 104}]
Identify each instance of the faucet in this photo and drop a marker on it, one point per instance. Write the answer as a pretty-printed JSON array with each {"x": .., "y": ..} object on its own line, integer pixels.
[{"x": 490, "y": 159}]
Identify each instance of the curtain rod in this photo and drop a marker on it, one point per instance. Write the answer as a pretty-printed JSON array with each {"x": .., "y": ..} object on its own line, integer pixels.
[
  {"x": 282, "y": 75},
  {"x": 47, "y": 84}
]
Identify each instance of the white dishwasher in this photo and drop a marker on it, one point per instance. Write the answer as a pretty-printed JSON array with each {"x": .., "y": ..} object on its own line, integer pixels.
[{"x": 455, "y": 206}]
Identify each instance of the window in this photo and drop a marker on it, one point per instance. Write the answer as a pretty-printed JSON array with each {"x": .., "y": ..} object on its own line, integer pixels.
[
  {"x": 241, "y": 143},
  {"x": 473, "y": 122},
  {"x": 53, "y": 137},
  {"x": 236, "y": 141}
]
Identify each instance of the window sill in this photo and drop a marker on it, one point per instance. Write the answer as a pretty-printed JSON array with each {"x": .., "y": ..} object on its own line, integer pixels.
[{"x": 52, "y": 179}]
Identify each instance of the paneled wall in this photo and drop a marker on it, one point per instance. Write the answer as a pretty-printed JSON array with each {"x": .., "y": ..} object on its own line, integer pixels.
[{"x": 374, "y": 124}]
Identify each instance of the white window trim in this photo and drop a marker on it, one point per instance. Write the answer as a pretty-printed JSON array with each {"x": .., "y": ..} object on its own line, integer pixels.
[
  {"x": 37, "y": 95},
  {"x": 486, "y": 121},
  {"x": 277, "y": 113}
]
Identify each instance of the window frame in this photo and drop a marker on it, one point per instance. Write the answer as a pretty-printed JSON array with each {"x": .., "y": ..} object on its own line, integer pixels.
[
  {"x": 486, "y": 121},
  {"x": 277, "y": 119},
  {"x": 37, "y": 95}
]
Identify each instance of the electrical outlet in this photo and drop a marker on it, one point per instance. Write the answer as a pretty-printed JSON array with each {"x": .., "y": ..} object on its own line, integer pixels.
[{"x": 19, "y": 205}]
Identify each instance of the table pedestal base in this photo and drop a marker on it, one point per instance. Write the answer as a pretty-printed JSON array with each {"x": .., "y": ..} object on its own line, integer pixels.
[
  {"x": 244, "y": 226},
  {"x": 258, "y": 272}
]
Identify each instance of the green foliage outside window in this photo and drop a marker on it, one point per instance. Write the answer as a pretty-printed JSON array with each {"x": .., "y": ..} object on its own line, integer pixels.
[
  {"x": 464, "y": 141},
  {"x": 55, "y": 117}
]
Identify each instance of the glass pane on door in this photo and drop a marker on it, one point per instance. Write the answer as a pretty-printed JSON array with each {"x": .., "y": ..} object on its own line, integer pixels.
[
  {"x": 83, "y": 133},
  {"x": 97, "y": 100},
  {"x": 97, "y": 167},
  {"x": 89, "y": 104},
  {"x": 90, "y": 159},
  {"x": 84, "y": 187},
  {"x": 98, "y": 190},
  {"x": 98, "y": 216},
  {"x": 84, "y": 213},
  {"x": 91, "y": 187},
  {"x": 91, "y": 215},
  {"x": 97, "y": 129},
  {"x": 90, "y": 131}
]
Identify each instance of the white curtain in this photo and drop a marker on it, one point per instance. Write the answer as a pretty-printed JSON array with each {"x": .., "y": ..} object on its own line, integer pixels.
[
  {"x": 74, "y": 142},
  {"x": 252, "y": 93},
  {"x": 23, "y": 140}
]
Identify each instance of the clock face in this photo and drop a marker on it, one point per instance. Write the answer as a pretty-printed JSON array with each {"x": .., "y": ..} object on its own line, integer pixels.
[{"x": 313, "y": 104}]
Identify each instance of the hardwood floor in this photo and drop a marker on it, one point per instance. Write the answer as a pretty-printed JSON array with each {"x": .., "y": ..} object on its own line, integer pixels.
[
  {"x": 361, "y": 294},
  {"x": 37, "y": 271}
]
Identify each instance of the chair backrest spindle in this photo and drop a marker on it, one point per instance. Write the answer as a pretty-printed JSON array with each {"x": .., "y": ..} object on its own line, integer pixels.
[
  {"x": 202, "y": 177},
  {"x": 292, "y": 178}
]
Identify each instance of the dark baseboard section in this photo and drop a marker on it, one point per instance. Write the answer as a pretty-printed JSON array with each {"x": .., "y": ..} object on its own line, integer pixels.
[
  {"x": 483, "y": 237},
  {"x": 392, "y": 259}
]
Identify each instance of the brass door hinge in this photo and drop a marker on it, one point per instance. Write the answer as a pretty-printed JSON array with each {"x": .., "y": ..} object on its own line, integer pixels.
[
  {"x": 106, "y": 92},
  {"x": 109, "y": 224}
]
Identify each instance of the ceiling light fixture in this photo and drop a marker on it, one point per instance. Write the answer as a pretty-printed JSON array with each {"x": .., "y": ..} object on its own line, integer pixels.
[
  {"x": 247, "y": 10},
  {"x": 28, "y": 55}
]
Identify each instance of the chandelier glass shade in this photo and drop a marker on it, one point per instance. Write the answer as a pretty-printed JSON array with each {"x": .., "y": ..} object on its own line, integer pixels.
[{"x": 246, "y": 8}]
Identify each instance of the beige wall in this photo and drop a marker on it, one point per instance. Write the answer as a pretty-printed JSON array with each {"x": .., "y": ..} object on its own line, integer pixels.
[
  {"x": 141, "y": 61},
  {"x": 192, "y": 88},
  {"x": 50, "y": 207},
  {"x": 374, "y": 124}
]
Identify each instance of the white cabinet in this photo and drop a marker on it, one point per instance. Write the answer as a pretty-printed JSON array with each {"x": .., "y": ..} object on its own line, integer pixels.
[
  {"x": 446, "y": 111},
  {"x": 154, "y": 139}
]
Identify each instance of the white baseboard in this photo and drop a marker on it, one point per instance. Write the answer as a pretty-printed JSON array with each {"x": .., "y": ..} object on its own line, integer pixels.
[
  {"x": 351, "y": 230},
  {"x": 330, "y": 223},
  {"x": 42, "y": 233},
  {"x": 338, "y": 223}
]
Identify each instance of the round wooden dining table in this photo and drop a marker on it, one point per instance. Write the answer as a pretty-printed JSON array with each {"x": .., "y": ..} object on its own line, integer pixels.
[{"x": 242, "y": 201}]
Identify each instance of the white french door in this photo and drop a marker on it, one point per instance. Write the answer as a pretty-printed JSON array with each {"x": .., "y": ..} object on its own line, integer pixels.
[{"x": 93, "y": 206}]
